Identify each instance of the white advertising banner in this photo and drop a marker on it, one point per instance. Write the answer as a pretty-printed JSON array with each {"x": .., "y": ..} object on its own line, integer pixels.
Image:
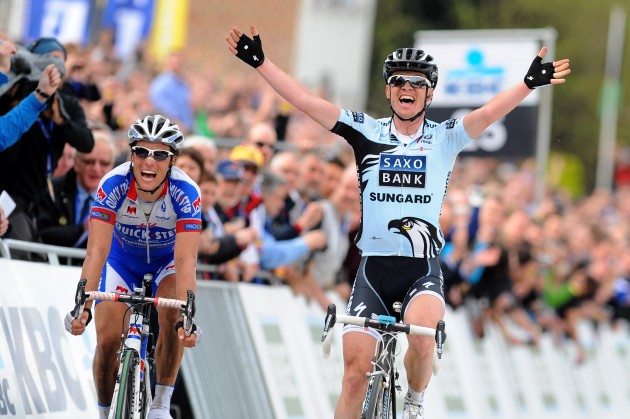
[
  {"x": 44, "y": 371},
  {"x": 47, "y": 373},
  {"x": 473, "y": 68}
]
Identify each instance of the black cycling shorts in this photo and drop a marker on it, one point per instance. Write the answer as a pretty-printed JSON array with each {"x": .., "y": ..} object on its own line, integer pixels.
[{"x": 383, "y": 280}]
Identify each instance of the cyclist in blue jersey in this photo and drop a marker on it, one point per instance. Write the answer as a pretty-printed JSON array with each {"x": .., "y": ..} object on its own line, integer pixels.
[
  {"x": 403, "y": 163},
  {"x": 146, "y": 219}
]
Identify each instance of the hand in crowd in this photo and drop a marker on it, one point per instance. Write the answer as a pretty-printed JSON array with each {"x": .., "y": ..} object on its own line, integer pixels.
[
  {"x": 49, "y": 81},
  {"x": 4, "y": 223},
  {"x": 235, "y": 225},
  {"x": 315, "y": 240},
  {"x": 311, "y": 216},
  {"x": 6, "y": 50},
  {"x": 246, "y": 236}
]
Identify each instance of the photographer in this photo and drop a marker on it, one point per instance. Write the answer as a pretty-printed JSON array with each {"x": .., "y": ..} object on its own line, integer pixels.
[
  {"x": 20, "y": 118},
  {"x": 25, "y": 167}
]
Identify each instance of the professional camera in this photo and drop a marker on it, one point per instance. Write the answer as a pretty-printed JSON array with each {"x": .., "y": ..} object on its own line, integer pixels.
[{"x": 26, "y": 69}]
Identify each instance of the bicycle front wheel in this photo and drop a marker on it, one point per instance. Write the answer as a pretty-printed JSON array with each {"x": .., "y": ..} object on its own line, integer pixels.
[
  {"x": 124, "y": 400},
  {"x": 378, "y": 400}
]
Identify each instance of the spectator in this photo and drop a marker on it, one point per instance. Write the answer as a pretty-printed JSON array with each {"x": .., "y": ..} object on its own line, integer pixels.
[
  {"x": 78, "y": 81},
  {"x": 274, "y": 253},
  {"x": 26, "y": 166},
  {"x": 19, "y": 119},
  {"x": 170, "y": 92},
  {"x": 66, "y": 161},
  {"x": 326, "y": 264},
  {"x": 207, "y": 148},
  {"x": 333, "y": 172},
  {"x": 229, "y": 194},
  {"x": 293, "y": 218},
  {"x": 263, "y": 136},
  {"x": 216, "y": 247},
  {"x": 311, "y": 177},
  {"x": 251, "y": 160},
  {"x": 191, "y": 163},
  {"x": 63, "y": 219},
  {"x": 4, "y": 224}
]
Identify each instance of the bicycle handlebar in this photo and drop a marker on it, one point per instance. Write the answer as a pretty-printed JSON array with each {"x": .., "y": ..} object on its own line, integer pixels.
[
  {"x": 81, "y": 297},
  {"x": 332, "y": 318}
]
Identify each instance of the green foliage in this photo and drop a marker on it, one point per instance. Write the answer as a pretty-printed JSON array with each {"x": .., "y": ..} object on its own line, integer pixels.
[{"x": 582, "y": 36}]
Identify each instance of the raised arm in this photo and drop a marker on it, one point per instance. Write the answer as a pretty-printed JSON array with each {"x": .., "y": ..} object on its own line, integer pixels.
[
  {"x": 539, "y": 74},
  {"x": 250, "y": 51}
]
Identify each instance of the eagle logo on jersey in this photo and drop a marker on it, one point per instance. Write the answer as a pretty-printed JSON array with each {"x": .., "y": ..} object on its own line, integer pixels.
[{"x": 422, "y": 235}]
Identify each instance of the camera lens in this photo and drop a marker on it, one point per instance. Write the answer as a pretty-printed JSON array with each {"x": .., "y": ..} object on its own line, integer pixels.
[{"x": 19, "y": 65}]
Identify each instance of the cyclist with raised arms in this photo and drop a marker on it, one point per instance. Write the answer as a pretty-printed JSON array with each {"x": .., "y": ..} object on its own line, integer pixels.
[
  {"x": 146, "y": 219},
  {"x": 403, "y": 164}
]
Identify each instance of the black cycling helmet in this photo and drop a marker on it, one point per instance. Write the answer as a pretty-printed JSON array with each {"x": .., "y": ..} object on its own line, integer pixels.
[{"x": 411, "y": 59}]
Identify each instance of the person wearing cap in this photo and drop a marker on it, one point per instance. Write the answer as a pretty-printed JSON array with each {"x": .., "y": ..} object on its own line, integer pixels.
[
  {"x": 26, "y": 166},
  {"x": 252, "y": 161},
  {"x": 231, "y": 178}
]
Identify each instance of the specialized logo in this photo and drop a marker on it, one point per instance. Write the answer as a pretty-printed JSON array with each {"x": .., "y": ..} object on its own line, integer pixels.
[
  {"x": 428, "y": 284},
  {"x": 405, "y": 171},
  {"x": 359, "y": 309},
  {"x": 358, "y": 117}
]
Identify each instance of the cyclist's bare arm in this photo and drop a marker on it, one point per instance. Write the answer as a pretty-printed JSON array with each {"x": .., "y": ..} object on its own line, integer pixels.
[
  {"x": 99, "y": 243},
  {"x": 322, "y": 111},
  {"x": 185, "y": 271},
  {"x": 186, "y": 262},
  {"x": 503, "y": 103}
]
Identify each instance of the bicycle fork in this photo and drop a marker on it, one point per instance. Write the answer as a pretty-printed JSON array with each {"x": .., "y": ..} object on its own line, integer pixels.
[{"x": 136, "y": 340}]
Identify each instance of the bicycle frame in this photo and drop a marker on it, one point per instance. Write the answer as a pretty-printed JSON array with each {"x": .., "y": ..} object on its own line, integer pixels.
[
  {"x": 134, "y": 344},
  {"x": 138, "y": 333},
  {"x": 383, "y": 379},
  {"x": 380, "y": 395}
]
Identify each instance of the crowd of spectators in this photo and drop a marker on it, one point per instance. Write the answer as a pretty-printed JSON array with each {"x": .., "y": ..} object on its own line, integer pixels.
[{"x": 281, "y": 204}]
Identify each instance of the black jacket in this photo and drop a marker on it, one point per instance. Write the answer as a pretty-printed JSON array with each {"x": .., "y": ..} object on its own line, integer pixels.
[
  {"x": 56, "y": 219},
  {"x": 23, "y": 166}
]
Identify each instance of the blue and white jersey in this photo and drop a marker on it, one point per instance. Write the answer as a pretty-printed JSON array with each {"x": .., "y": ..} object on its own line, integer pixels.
[
  {"x": 402, "y": 186},
  {"x": 178, "y": 209}
]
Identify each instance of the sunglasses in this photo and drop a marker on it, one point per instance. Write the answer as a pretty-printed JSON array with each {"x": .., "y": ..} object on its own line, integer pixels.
[
  {"x": 262, "y": 145},
  {"x": 158, "y": 155},
  {"x": 414, "y": 81}
]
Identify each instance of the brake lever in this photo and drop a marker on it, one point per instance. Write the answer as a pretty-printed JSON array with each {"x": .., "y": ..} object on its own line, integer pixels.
[
  {"x": 331, "y": 319},
  {"x": 440, "y": 337}
]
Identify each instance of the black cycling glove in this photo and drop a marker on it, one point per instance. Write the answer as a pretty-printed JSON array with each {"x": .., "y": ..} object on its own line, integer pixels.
[
  {"x": 250, "y": 50},
  {"x": 539, "y": 74}
]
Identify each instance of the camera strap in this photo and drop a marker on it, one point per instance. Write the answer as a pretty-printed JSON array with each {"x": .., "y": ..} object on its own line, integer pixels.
[{"x": 48, "y": 135}]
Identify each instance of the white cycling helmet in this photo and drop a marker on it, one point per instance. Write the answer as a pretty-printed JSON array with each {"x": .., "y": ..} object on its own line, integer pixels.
[{"x": 156, "y": 128}]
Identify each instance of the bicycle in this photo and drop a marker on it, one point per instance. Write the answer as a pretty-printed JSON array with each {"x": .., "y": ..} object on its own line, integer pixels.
[
  {"x": 380, "y": 397},
  {"x": 132, "y": 392}
]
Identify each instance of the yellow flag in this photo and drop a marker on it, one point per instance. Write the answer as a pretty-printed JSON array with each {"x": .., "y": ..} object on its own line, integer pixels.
[{"x": 168, "y": 32}]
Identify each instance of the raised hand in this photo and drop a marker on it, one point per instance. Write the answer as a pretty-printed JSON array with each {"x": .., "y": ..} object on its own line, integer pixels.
[
  {"x": 49, "y": 80},
  {"x": 6, "y": 50},
  {"x": 247, "y": 49},
  {"x": 542, "y": 74}
]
